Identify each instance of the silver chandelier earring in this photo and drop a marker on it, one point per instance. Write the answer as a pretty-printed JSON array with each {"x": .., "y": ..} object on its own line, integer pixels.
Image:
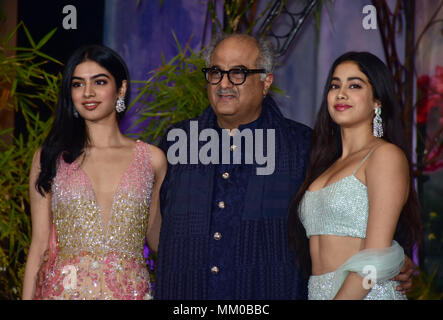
[
  {"x": 75, "y": 112},
  {"x": 120, "y": 106},
  {"x": 377, "y": 123}
]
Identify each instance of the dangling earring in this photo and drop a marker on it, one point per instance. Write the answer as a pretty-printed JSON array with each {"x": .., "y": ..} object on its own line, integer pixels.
[
  {"x": 75, "y": 112},
  {"x": 377, "y": 123},
  {"x": 120, "y": 106}
]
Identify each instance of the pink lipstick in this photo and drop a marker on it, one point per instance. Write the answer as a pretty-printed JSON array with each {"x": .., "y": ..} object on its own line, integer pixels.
[
  {"x": 341, "y": 107},
  {"x": 91, "y": 105}
]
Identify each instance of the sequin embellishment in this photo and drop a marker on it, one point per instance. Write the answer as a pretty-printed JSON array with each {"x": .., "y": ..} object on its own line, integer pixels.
[
  {"x": 320, "y": 288},
  {"x": 108, "y": 263},
  {"x": 340, "y": 209}
]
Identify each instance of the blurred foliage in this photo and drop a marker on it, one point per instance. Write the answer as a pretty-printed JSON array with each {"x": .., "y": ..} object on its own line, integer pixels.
[
  {"x": 423, "y": 287},
  {"x": 240, "y": 15},
  {"x": 25, "y": 85},
  {"x": 243, "y": 15},
  {"x": 25, "y": 69},
  {"x": 429, "y": 148},
  {"x": 432, "y": 217},
  {"x": 174, "y": 92}
]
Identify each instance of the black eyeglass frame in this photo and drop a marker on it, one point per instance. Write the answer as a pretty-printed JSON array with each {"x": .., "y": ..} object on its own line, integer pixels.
[{"x": 245, "y": 71}]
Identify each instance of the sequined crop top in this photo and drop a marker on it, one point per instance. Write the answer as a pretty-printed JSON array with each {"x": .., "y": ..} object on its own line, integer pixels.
[{"x": 340, "y": 208}]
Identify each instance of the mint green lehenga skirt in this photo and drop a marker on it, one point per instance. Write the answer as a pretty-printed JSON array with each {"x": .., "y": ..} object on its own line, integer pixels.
[
  {"x": 320, "y": 288},
  {"x": 385, "y": 264}
]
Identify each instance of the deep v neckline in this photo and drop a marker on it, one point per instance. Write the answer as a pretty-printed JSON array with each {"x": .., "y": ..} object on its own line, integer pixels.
[{"x": 104, "y": 228}]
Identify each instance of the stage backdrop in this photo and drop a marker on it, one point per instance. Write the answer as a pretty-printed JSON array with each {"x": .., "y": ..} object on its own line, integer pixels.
[{"x": 142, "y": 31}]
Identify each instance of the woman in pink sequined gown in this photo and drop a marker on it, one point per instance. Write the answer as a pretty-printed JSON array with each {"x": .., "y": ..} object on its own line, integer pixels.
[{"x": 94, "y": 192}]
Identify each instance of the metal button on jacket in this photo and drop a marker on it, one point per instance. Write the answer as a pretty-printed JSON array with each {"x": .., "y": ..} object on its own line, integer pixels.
[
  {"x": 225, "y": 175},
  {"x": 214, "y": 270},
  {"x": 217, "y": 236},
  {"x": 221, "y": 204}
]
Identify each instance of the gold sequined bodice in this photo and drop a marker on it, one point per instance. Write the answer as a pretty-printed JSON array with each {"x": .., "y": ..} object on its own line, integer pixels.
[
  {"x": 78, "y": 220},
  {"x": 103, "y": 260}
]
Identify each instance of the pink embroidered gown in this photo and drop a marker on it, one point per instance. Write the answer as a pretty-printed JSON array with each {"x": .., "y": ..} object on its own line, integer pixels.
[{"x": 94, "y": 262}]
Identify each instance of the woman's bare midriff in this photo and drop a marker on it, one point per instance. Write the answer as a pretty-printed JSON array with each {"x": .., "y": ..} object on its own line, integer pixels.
[{"x": 329, "y": 252}]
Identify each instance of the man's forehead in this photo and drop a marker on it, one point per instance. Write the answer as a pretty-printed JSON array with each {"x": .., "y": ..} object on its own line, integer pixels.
[{"x": 237, "y": 50}]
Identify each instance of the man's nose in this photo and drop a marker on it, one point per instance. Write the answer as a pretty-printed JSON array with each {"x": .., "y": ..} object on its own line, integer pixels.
[{"x": 225, "y": 83}]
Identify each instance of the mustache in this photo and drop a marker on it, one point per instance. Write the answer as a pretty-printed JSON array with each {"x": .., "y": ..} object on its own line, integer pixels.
[{"x": 228, "y": 91}]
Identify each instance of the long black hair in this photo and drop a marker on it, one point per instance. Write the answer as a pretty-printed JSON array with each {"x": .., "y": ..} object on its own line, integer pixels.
[
  {"x": 326, "y": 149},
  {"x": 68, "y": 135}
]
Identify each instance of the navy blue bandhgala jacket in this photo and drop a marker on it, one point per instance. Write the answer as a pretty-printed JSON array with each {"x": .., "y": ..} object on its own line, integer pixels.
[{"x": 261, "y": 265}]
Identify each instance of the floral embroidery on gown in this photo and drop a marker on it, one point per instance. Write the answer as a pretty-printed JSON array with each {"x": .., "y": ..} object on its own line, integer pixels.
[{"x": 94, "y": 261}]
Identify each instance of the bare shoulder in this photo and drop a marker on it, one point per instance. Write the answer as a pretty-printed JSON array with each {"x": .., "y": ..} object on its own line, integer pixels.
[
  {"x": 156, "y": 152},
  {"x": 37, "y": 154},
  {"x": 388, "y": 156},
  {"x": 158, "y": 158},
  {"x": 34, "y": 172},
  {"x": 36, "y": 159}
]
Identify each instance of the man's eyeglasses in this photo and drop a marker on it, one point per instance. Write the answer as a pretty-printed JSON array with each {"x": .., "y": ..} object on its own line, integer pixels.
[{"x": 236, "y": 76}]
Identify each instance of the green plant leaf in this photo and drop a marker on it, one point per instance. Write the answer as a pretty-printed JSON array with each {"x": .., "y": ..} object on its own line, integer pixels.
[
  {"x": 22, "y": 71},
  {"x": 28, "y": 36},
  {"x": 46, "y": 38}
]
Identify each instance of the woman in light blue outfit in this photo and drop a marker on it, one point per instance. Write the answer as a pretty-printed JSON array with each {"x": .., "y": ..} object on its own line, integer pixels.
[{"x": 358, "y": 194}]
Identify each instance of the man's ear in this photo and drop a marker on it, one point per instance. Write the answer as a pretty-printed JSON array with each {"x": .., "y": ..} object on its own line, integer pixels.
[{"x": 267, "y": 83}]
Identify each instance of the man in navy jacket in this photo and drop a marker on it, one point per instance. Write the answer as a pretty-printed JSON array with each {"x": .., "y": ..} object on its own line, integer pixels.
[{"x": 224, "y": 223}]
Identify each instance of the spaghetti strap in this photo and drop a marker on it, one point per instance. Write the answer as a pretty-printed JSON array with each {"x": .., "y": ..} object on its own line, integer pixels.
[{"x": 363, "y": 161}]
